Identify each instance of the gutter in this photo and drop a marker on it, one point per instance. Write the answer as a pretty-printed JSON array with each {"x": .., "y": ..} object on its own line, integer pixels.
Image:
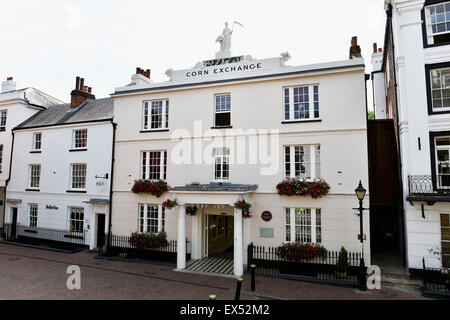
[{"x": 108, "y": 241}]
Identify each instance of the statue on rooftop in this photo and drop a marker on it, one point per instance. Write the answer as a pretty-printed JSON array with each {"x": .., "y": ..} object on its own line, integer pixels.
[{"x": 225, "y": 42}]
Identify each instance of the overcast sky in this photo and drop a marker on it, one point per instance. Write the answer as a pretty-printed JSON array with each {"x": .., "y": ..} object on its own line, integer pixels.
[{"x": 46, "y": 43}]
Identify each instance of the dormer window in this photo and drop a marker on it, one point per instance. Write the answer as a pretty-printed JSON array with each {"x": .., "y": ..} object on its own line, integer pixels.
[{"x": 437, "y": 19}]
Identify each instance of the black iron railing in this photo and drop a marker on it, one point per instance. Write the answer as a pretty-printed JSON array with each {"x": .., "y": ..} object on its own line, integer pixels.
[
  {"x": 428, "y": 185},
  {"x": 26, "y": 234},
  {"x": 435, "y": 281},
  {"x": 318, "y": 269},
  {"x": 121, "y": 247}
]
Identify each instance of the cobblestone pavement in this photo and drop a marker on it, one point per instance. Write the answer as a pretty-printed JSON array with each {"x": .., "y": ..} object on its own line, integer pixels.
[{"x": 28, "y": 273}]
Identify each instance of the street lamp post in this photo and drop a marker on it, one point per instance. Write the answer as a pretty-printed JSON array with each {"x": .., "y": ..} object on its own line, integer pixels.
[{"x": 360, "y": 194}]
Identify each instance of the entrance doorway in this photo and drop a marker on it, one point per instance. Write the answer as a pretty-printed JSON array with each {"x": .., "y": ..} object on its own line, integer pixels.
[
  {"x": 100, "y": 230},
  {"x": 219, "y": 235},
  {"x": 13, "y": 223}
]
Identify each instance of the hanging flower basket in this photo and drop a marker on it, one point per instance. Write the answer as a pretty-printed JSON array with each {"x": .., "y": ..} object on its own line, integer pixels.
[
  {"x": 169, "y": 204},
  {"x": 245, "y": 207},
  {"x": 191, "y": 210},
  {"x": 153, "y": 187},
  {"x": 301, "y": 187}
]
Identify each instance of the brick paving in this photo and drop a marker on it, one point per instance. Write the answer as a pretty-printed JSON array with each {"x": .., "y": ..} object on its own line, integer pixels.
[{"x": 28, "y": 273}]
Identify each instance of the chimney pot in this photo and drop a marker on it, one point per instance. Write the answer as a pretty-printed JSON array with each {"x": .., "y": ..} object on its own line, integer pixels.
[
  {"x": 375, "y": 48},
  {"x": 355, "y": 50},
  {"x": 148, "y": 73},
  {"x": 81, "y": 93},
  {"x": 380, "y": 50},
  {"x": 138, "y": 70},
  {"x": 10, "y": 79}
]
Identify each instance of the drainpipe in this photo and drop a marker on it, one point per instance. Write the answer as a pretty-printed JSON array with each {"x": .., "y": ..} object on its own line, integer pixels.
[
  {"x": 108, "y": 241},
  {"x": 9, "y": 178},
  {"x": 402, "y": 212}
]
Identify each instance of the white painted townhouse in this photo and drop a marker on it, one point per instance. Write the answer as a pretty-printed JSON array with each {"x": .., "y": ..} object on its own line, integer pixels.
[
  {"x": 16, "y": 105},
  {"x": 231, "y": 129},
  {"x": 61, "y": 173},
  {"x": 413, "y": 88}
]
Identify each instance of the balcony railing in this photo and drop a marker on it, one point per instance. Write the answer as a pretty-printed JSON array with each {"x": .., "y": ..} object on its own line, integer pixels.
[{"x": 426, "y": 185}]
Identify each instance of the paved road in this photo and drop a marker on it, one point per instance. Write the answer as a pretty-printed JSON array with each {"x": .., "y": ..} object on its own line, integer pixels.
[{"x": 28, "y": 273}]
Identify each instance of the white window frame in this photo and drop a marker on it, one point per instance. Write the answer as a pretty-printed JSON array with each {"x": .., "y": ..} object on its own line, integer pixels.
[
  {"x": 35, "y": 141},
  {"x": 147, "y": 116},
  {"x": 30, "y": 176},
  {"x": 314, "y": 164},
  {"x": 162, "y": 164},
  {"x": 3, "y": 119},
  {"x": 77, "y": 220},
  {"x": 72, "y": 165},
  {"x": 226, "y": 94},
  {"x": 32, "y": 215},
  {"x": 74, "y": 140},
  {"x": 315, "y": 228},
  {"x": 438, "y": 109},
  {"x": 311, "y": 102},
  {"x": 429, "y": 23},
  {"x": 216, "y": 156},
  {"x": 144, "y": 217}
]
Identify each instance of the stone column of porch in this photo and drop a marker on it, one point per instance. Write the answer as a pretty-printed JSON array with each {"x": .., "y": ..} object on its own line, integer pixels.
[
  {"x": 238, "y": 238},
  {"x": 181, "y": 239}
]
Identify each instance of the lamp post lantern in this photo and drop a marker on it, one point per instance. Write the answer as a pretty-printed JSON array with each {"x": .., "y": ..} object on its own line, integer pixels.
[{"x": 360, "y": 194}]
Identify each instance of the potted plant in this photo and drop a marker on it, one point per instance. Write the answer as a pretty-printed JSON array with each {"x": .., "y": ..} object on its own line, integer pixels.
[
  {"x": 191, "y": 210},
  {"x": 342, "y": 264}
]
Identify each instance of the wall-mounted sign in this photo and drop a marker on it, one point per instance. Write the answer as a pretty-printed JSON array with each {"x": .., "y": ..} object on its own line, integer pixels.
[
  {"x": 51, "y": 207},
  {"x": 266, "y": 216}
]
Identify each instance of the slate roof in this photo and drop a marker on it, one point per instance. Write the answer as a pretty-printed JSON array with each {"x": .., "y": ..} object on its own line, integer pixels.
[
  {"x": 91, "y": 110},
  {"x": 217, "y": 187}
]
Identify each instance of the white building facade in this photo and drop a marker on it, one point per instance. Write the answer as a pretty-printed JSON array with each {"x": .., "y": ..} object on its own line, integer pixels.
[
  {"x": 417, "y": 64},
  {"x": 16, "y": 106},
  {"x": 232, "y": 129},
  {"x": 61, "y": 173}
]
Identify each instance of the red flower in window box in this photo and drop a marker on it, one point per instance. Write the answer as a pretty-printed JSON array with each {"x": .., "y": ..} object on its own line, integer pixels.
[
  {"x": 303, "y": 187},
  {"x": 153, "y": 187}
]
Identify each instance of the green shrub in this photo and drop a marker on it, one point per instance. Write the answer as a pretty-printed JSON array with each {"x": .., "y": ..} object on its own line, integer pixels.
[{"x": 342, "y": 263}]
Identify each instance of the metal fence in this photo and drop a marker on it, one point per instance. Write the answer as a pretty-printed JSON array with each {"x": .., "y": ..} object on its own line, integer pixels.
[
  {"x": 43, "y": 236},
  {"x": 435, "y": 281},
  {"x": 426, "y": 185},
  {"x": 121, "y": 247},
  {"x": 318, "y": 269}
]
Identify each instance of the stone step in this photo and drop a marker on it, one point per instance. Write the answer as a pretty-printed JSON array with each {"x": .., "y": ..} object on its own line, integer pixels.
[{"x": 400, "y": 281}]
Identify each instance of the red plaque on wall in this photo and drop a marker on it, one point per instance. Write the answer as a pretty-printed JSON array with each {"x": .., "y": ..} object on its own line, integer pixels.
[{"x": 266, "y": 216}]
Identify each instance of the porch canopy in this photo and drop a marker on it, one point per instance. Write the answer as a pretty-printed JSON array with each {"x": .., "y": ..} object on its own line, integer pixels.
[{"x": 214, "y": 193}]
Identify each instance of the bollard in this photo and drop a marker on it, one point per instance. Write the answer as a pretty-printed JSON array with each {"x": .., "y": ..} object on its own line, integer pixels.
[
  {"x": 238, "y": 289},
  {"x": 212, "y": 297},
  {"x": 252, "y": 270}
]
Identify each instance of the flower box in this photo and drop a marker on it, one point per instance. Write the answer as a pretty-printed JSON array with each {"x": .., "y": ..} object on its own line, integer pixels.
[
  {"x": 153, "y": 187},
  {"x": 302, "y": 187}
]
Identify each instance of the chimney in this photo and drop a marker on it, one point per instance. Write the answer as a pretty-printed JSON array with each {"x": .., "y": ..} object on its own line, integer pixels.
[
  {"x": 143, "y": 72},
  {"x": 9, "y": 85},
  {"x": 81, "y": 93},
  {"x": 355, "y": 50}
]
